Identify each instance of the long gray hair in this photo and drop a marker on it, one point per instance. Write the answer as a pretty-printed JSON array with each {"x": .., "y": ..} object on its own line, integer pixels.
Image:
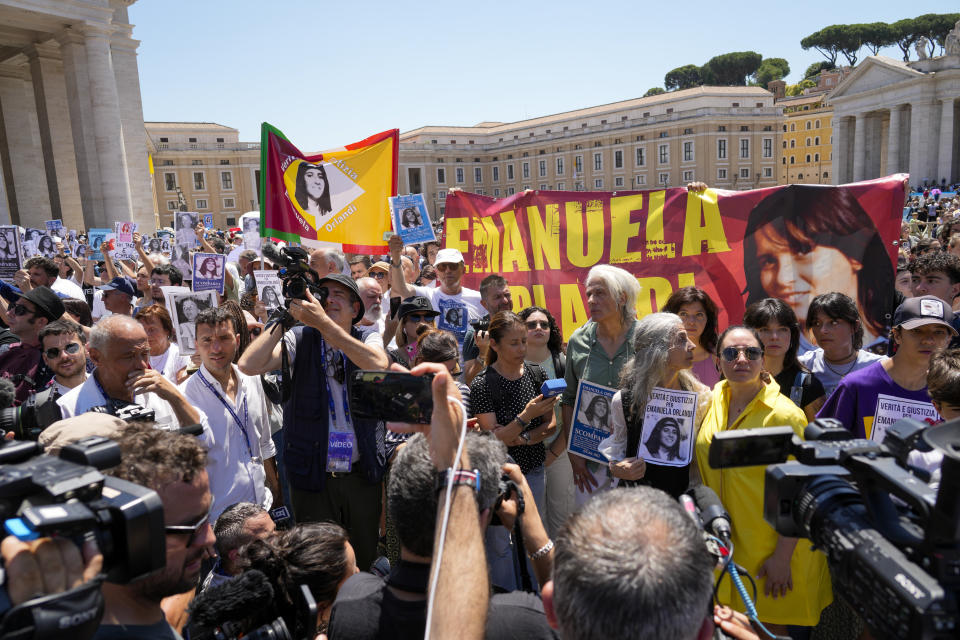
[{"x": 654, "y": 336}]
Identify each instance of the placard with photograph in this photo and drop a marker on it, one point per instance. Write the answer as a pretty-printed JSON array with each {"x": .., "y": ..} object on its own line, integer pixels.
[
  {"x": 410, "y": 219},
  {"x": 251, "y": 233},
  {"x": 124, "y": 248},
  {"x": 95, "y": 238},
  {"x": 54, "y": 227},
  {"x": 667, "y": 437},
  {"x": 591, "y": 420},
  {"x": 208, "y": 221},
  {"x": 184, "y": 223},
  {"x": 10, "y": 253},
  {"x": 180, "y": 258},
  {"x": 269, "y": 288},
  {"x": 208, "y": 272},
  {"x": 184, "y": 306}
]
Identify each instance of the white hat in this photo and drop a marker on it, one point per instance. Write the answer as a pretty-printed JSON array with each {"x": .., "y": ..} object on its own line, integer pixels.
[{"x": 448, "y": 255}]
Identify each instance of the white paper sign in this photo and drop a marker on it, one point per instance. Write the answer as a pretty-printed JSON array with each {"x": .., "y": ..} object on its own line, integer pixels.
[
  {"x": 269, "y": 289},
  {"x": 890, "y": 409},
  {"x": 591, "y": 420},
  {"x": 184, "y": 306},
  {"x": 125, "y": 249},
  {"x": 667, "y": 437}
]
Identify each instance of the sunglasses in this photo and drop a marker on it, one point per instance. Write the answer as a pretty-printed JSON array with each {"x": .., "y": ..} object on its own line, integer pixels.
[
  {"x": 538, "y": 324},
  {"x": 377, "y": 275},
  {"x": 54, "y": 352},
  {"x": 446, "y": 266},
  {"x": 20, "y": 310},
  {"x": 730, "y": 354},
  {"x": 419, "y": 317},
  {"x": 191, "y": 529}
]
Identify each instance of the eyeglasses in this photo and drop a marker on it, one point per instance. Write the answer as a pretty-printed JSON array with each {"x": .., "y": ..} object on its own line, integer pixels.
[
  {"x": 54, "y": 352},
  {"x": 191, "y": 529},
  {"x": 446, "y": 266},
  {"x": 377, "y": 275},
  {"x": 419, "y": 317},
  {"x": 20, "y": 310},
  {"x": 730, "y": 354},
  {"x": 538, "y": 324}
]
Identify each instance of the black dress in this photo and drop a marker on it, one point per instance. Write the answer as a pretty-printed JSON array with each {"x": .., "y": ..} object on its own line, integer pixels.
[{"x": 673, "y": 480}]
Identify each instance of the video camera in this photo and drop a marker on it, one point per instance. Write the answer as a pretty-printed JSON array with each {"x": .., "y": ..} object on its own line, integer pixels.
[
  {"x": 295, "y": 273},
  {"x": 29, "y": 419},
  {"x": 892, "y": 543},
  {"x": 67, "y": 496},
  {"x": 483, "y": 324}
]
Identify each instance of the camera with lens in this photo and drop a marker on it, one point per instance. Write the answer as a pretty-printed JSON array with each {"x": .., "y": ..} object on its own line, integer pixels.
[
  {"x": 125, "y": 411},
  {"x": 296, "y": 274},
  {"x": 483, "y": 324},
  {"x": 892, "y": 542},
  {"x": 507, "y": 487},
  {"x": 29, "y": 419}
]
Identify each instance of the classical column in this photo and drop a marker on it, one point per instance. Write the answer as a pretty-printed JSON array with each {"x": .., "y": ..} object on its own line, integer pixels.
[
  {"x": 945, "y": 155},
  {"x": 107, "y": 127},
  {"x": 20, "y": 142},
  {"x": 74, "y": 55},
  {"x": 40, "y": 72},
  {"x": 841, "y": 159},
  {"x": 893, "y": 141},
  {"x": 859, "y": 147},
  {"x": 923, "y": 141}
]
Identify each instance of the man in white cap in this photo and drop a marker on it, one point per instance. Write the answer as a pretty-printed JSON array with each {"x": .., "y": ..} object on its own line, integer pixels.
[{"x": 458, "y": 306}]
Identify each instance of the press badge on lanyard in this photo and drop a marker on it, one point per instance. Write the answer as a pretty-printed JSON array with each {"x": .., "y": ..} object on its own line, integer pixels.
[{"x": 339, "y": 443}]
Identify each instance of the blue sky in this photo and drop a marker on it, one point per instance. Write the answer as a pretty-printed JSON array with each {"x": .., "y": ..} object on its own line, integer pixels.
[{"x": 329, "y": 73}]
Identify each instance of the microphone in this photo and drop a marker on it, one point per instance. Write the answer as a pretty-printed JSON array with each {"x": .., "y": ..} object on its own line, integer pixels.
[
  {"x": 7, "y": 393},
  {"x": 270, "y": 252},
  {"x": 713, "y": 515},
  {"x": 233, "y": 601}
]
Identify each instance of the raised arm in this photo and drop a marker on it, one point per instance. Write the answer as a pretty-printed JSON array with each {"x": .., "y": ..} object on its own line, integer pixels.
[{"x": 398, "y": 286}]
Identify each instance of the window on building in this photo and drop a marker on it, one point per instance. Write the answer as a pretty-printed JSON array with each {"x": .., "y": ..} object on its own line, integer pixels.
[
  {"x": 442, "y": 195},
  {"x": 784, "y": 128},
  {"x": 641, "y": 180},
  {"x": 192, "y": 139},
  {"x": 172, "y": 205},
  {"x": 618, "y": 181},
  {"x": 816, "y": 124},
  {"x": 496, "y": 193},
  {"x": 664, "y": 134},
  {"x": 744, "y": 148},
  {"x": 477, "y": 174},
  {"x": 459, "y": 175},
  {"x": 688, "y": 151},
  {"x": 816, "y": 157},
  {"x": 224, "y": 162},
  {"x": 196, "y": 162},
  {"x": 618, "y": 159},
  {"x": 559, "y": 166},
  {"x": 826, "y": 174},
  {"x": 783, "y": 160},
  {"x": 170, "y": 181},
  {"x": 816, "y": 140},
  {"x": 768, "y": 147},
  {"x": 721, "y": 149},
  {"x": 793, "y": 126},
  {"x": 808, "y": 158},
  {"x": 525, "y": 170},
  {"x": 598, "y": 162},
  {"x": 688, "y": 176},
  {"x": 641, "y": 157},
  {"x": 809, "y": 125},
  {"x": 229, "y": 203},
  {"x": 509, "y": 172},
  {"x": 808, "y": 141},
  {"x": 441, "y": 175},
  {"x": 226, "y": 179},
  {"x": 510, "y": 191},
  {"x": 164, "y": 139},
  {"x": 793, "y": 144},
  {"x": 744, "y": 127},
  {"x": 722, "y": 128},
  {"x": 578, "y": 164},
  {"x": 745, "y": 173},
  {"x": 543, "y": 168},
  {"x": 544, "y": 186},
  {"x": 561, "y": 186},
  {"x": 799, "y": 176},
  {"x": 167, "y": 163},
  {"x": 663, "y": 153},
  {"x": 198, "y": 181},
  {"x": 201, "y": 204},
  {"x": 664, "y": 178},
  {"x": 496, "y": 174},
  {"x": 231, "y": 221},
  {"x": 784, "y": 144},
  {"x": 792, "y": 160},
  {"x": 721, "y": 174},
  {"x": 598, "y": 183}
]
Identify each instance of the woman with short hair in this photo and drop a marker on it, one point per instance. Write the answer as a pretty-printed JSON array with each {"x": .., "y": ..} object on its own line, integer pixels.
[{"x": 164, "y": 352}]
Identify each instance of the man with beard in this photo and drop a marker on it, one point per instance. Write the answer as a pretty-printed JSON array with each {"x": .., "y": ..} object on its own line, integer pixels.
[
  {"x": 173, "y": 465},
  {"x": 372, "y": 296}
]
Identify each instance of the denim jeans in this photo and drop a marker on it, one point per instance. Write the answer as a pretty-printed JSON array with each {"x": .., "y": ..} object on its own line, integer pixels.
[{"x": 501, "y": 558}]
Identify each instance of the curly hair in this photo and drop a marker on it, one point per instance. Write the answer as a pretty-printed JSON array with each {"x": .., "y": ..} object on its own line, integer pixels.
[
  {"x": 154, "y": 458},
  {"x": 555, "y": 341}
]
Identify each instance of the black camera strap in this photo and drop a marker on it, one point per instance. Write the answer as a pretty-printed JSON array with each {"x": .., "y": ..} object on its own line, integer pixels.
[
  {"x": 526, "y": 584},
  {"x": 73, "y": 613}
]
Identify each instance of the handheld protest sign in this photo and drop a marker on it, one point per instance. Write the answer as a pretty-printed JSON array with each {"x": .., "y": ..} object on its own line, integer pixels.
[
  {"x": 591, "y": 420},
  {"x": 184, "y": 306},
  {"x": 208, "y": 221},
  {"x": 269, "y": 288},
  {"x": 125, "y": 249},
  {"x": 11, "y": 258},
  {"x": 667, "y": 437},
  {"x": 208, "y": 272},
  {"x": 411, "y": 220},
  {"x": 184, "y": 223},
  {"x": 891, "y": 409},
  {"x": 96, "y": 238}
]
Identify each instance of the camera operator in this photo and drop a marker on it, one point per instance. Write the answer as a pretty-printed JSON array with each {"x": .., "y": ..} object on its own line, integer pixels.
[
  {"x": 317, "y": 414},
  {"x": 22, "y": 362},
  {"x": 370, "y": 607},
  {"x": 46, "y": 566},
  {"x": 494, "y": 296},
  {"x": 120, "y": 350},
  {"x": 239, "y": 524}
]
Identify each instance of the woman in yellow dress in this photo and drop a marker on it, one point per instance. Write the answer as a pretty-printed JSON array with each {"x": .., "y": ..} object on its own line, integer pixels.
[{"x": 793, "y": 584}]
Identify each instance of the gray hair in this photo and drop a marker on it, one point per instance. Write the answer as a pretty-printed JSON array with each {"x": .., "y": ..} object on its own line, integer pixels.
[
  {"x": 621, "y": 284},
  {"x": 652, "y": 339},
  {"x": 229, "y": 526},
  {"x": 631, "y": 564},
  {"x": 106, "y": 328},
  {"x": 333, "y": 255},
  {"x": 249, "y": 254},
  {"x": 158, "y": 258},
  {"x": 411, "y": 494}
]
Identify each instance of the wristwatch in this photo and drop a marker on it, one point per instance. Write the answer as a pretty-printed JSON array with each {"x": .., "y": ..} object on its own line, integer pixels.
[
  {"x": 461, "y": 476},
  {"x": 525, "y": 437},
  {"x": 523, "y": 423}
]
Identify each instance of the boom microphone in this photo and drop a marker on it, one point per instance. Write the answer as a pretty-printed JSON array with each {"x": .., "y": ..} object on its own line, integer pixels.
[
  {"x": 270, "y": 252},
  {"x": 713, "y": 515},
  {"x": 232, "y": 601},
  {"x": 7, "y": 393}
]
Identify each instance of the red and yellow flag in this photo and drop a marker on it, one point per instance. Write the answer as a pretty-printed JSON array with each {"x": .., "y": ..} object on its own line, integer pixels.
[{"x": 334, "y": 198}]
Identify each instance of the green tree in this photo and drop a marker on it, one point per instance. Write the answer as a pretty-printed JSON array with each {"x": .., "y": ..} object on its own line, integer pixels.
[
  {"x": 877, "y": 35},
  {"x": 731, "y": 69},
  {"x": 683, "y": 77},
  {"x": 797, "y": 89},
  {"x": 824, "y": 41},
  {"x": 772, "y": 69},
  {"x": 653, "y": 91},
  {"x": 849, "y": 39},
  {"x": 935, "y": 26},
  {"x": 905, "y": 35},
  {"x": 817, "y": 67}
]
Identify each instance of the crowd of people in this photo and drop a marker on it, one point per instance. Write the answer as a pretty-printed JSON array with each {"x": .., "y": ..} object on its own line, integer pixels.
[{"x": 582, "y": 548}]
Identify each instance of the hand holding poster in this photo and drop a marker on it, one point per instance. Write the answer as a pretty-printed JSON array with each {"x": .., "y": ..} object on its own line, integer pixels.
[
  {"x": 411, "y": 220},
  {"x": 96, "y": 240},
  {"x": 184, "y": 306},
  {"x": 208, "y": 272},
  {"x": 667, "y": 437},
  {"x": 10, "y": 260},
  {"x": 591, "y": 420},
  {"x": 54, "y": 227},
  {"x": 208, "y": 221},
  {"x": 269, "y": 288},
  {"x": 891, "y": 409},
  {"x": 251, "y": 233},
  {"x": 125, "y": 247}
]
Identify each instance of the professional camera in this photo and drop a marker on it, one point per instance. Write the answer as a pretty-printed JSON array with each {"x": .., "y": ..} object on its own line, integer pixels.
[
  {"x": 29, "y": 419},
  {"x": 125, "y": 411},
  {"x": 892, "y": 543},
  {"x": 295, "y": 272},
  {"x": 483, "y": 324}
]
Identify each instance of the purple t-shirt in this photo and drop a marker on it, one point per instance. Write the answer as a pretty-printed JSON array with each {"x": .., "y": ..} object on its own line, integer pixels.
[{"x": 854, "y": 401}]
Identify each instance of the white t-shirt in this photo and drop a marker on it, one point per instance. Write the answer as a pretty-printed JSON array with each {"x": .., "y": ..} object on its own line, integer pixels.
[
  {"x": 170, "y": 362},
  {"x": 456, "y": 311},
  {"x": 831, "y": 375},
  {"x": 337, "y": 390},
  {"x": 68, "y": 288}
]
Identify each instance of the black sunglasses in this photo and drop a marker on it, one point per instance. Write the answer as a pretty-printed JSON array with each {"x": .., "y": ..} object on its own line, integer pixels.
[
  {"x": 730, "y": 354},
  {"x": 191, "y": 529},
  {"x": 20, "y": 310},
  {"x": 54, "y": 352},
  {"x": 419, "y": 317},
  {"x": 534, "y": 324}
]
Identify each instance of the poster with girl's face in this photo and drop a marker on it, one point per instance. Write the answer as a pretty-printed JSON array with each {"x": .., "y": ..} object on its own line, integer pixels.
[
  {"x": 184, "y": 306},
  {"x": 208, "y": 272},
  {"x": 591, "y": 420},
  {"x": 10, "y": 255},
  {"x": 410, "y": 219},
  {"x": 668, "y": 419}
]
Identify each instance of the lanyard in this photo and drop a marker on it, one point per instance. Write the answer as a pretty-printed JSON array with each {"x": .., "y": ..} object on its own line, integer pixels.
[
  {"x": 326, "y": 381},
  {"x": 236, "y": 419}
]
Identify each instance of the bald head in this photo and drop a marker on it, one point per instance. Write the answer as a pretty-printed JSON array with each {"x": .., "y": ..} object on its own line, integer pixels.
[
  {"x": 121, "y": 351},
  {"x": 115, "y": 327}
]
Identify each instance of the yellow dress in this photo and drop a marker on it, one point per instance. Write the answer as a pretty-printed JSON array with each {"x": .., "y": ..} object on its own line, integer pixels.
[{"x": 741, "y": 491}]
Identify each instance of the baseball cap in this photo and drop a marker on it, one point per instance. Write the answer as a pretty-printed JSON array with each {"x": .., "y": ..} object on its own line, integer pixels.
[
  {"x": 380, "y": 265},
  {"x": 415, "y": 304},
  {"x": 46, "y": 301},
  {"x": 121, "y": 284},
  {"x": 449, "y": 256},
  {"x": 916, "y": 312},
  {"x": 349, "y": 283}
]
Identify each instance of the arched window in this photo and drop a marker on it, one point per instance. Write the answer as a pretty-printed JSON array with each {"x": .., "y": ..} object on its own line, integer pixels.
[
  {"x": 799, "y": 176},
  {"x": 792, "y": 159},
  {"x": 826, "y": 174},
  {"x": 816, "y": 125},
  {"x": 793, "y": 143},
  {"x": 808, "y": 125},
  {"x": 808, "y": 142},
  {"x": 793, "y": 126},
  {"x": 816, "y": 140},
  {"x": 808, "y": 158},
  {"x": 784, "y": 127},
  {"x": 816, "y": 157}
]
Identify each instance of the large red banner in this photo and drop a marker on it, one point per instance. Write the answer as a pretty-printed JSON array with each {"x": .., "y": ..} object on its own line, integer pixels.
[{"x": 790, "y": 242}]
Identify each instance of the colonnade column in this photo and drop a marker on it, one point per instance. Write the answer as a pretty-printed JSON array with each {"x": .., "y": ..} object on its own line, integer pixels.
[{"x": 859, "y": 147}]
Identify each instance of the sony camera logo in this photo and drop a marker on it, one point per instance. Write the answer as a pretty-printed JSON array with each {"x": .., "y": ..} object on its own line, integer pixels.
[
  {"x": 914, "y": 590},
  {"x": 77, "y": 619}
]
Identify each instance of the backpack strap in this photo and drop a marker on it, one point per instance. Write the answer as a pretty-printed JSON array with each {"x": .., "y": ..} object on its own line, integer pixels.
[{"x": 796, "y": 391}]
